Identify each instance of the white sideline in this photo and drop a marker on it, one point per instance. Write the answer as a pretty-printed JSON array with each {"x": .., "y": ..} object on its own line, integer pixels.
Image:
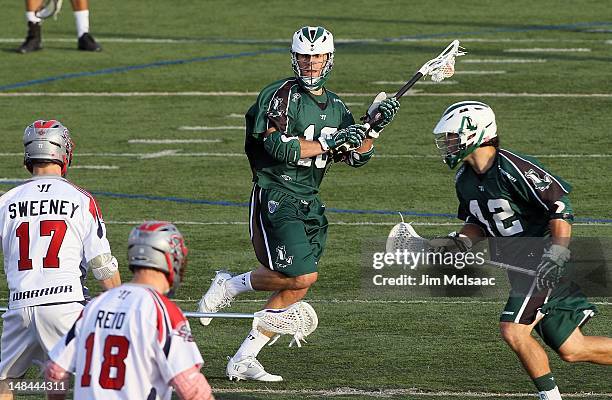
[
  {"x": 212, "y": 128},
  {"x": 548, "y": 50},
  {"x": 172, "y": 141},
  {"x": 100, "y": 167},
  {"x": 386, "y": 393},
  {"x": 253, "y": 94},
  {"x": 501, "y": 61},
  {"x": 418, "y": 83}
]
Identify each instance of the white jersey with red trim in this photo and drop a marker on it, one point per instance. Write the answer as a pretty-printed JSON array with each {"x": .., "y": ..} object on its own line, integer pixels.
[
  {"x": 50, "y": 229},
  {"x": 128, "y": 344}
]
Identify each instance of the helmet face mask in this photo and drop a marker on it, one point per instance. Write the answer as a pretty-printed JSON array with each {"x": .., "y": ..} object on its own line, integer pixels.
[
  {"x": 312, "y": 41},
  {"x": 464, "y": 126},
  {"x": 47, "y": 142},
  {"x": 160, "y": 246}
]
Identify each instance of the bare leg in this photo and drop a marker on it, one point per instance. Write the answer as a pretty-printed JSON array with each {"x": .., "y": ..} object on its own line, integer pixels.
[
  {"x": 594, "y": 349},
  {"x": 529, "y": 351},
  {"x": 80, "y": 5},
  {"x": 33, "y": 5}
]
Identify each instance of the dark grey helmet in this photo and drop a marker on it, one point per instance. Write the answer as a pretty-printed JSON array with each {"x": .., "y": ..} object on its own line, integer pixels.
[{"x": 158, "y": 245}]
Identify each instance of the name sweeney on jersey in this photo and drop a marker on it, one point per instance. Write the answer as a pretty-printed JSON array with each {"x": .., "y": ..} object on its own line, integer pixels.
[{"x": 34, "y": 208}]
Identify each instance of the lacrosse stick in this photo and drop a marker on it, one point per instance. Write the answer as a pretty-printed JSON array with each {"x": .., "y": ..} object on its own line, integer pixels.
[
  {"x": 299, "y": 320},
  {"x": 439, "y": 68},
  {"x": 50, "y": 8},
  {"x": 404, "y": 237}
]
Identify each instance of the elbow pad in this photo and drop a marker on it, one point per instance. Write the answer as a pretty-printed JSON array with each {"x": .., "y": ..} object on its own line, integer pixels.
[
  {"x": 103, "y": 266},
  {"x": 355, "y": 159},
  {"x": 282, "y": 148}
]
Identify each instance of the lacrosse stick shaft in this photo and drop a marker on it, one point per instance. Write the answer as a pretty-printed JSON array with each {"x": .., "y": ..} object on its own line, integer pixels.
[
  {"x": 192, "y": 314},
  {"x": 512, "y": 268}
]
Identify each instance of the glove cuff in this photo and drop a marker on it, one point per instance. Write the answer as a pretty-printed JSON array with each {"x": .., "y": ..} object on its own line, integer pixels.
[
  {"x": 557, "y": 254},
  {"x": 324, "y": 143}
]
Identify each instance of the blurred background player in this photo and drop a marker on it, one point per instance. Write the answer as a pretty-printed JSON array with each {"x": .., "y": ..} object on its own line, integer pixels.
[
  {"x": 34, "y": 18},
  {"x": 132, "y": 342},
  {"x": 52, "y": 233},
  {"x": 295, "y": 131},
  {"x": 505, "y": 194}
]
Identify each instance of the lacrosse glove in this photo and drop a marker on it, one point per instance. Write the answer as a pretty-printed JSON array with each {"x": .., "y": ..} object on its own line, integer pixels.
[
  {"x": 387, "y": 107},
  {"x": 552, "y": 267},
  {"x": 345, "y": 139},
  {"x": 454, "y": 242}
]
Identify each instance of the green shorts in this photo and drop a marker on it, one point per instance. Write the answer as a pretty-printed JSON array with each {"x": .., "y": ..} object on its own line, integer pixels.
[
  {"x": 288, "y": 234},
  {"x": 566, "y": 309}
]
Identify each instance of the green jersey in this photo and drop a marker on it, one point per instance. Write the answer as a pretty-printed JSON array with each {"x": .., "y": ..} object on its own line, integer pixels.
[
  {"x": 516, "y": 197},
  {"x": 296, "y": 113}
]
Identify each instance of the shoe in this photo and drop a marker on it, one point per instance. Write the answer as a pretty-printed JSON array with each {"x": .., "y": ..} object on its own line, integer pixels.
[
  {"x": 33, "y": 40},
  {"x": 249, "y": 368},
  {"x": 216, "y": 297},
  {"x": 88, "y": 43}
]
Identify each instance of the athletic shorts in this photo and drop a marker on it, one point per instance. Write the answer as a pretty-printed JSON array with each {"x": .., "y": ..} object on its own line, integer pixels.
[
  {"x": 288, "y": 234},
  {"x": 565, "y": 309},
  {"x": 29, "y": 333}
]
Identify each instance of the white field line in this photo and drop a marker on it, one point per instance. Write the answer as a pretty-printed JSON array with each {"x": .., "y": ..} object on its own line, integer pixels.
[
  {"x": 178, "y": 153},
  {"x": 354, "y": 104},
  {"x": 163, "y": 153},
  {"x": 234, "y": 115},
  {"x": 386, "y": 393},
  {"x": 342, "y": 223},
  {"x": 101, "y": 167},
  {"x": 608, "y": 41},
  {"x": 418, "y": 83},
  {"x": 548, "y": 50},
  {"x": 348, "y": 94},
  {"x": 172, "y": 141},
  {"x": 502, "y": 61},
  {"x": 475, "y": 72},
  {"x": 212, "y": 128},
  {"x": 284, "y": 41}
]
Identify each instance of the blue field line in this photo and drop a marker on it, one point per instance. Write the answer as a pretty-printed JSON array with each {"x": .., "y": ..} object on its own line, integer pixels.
[
  {"x": 128, "y": 68},
  {"x": 279, "y": 50},
  {"x": 237, "y": 204}
]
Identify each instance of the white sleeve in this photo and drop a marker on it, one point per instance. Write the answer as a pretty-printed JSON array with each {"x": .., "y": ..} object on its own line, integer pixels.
[
  {"x": 94, "y": 239},
  {"x": 64, "y": 352}
]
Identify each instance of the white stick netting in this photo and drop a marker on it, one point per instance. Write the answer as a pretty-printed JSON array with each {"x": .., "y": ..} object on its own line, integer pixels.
[{"x": 299, "y": 320}]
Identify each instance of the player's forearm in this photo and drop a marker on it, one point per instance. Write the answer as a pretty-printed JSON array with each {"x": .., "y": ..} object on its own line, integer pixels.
[
  {"x": 473, "y": 232},
  {"x": 366, "y": 146},
  {"x": 111, "y": 282},
  {"x": 310, "y": 148},
  {"x": 560, "y": 231}
]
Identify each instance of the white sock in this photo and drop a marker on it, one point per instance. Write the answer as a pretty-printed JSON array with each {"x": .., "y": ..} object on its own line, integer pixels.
[
  {"x": 252, "y": 345},
  {"x": 239, "y": 284},
  {"x": 31, "y": 17},
  {"x": 82, "y": 22},
  {"x": 551, "y": 394}
]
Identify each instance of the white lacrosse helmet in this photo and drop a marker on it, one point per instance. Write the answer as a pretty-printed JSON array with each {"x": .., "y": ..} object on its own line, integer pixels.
[
  {"x": 158, "y": 245},
  {"x": 312, "y": 40},
  {"x": 47, "y": 141},
  {"x": 464, "y": 126}
]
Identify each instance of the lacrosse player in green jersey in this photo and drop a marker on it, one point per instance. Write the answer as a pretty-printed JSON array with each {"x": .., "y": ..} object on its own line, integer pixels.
[
  {"x": 505, "y": 194},
  {"x": 294, "y": 132}
]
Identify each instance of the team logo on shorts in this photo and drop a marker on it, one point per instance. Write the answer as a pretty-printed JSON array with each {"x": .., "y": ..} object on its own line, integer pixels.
[
  {"x": 539, "y": 183},
  {"x": 272, "y": 206},
  {"x": 282, "y": 259}
]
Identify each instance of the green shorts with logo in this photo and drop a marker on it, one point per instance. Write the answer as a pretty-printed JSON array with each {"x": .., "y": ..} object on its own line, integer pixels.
[
  {"x": 288, "y": 234},
  {"x": 565, "y": 309}
]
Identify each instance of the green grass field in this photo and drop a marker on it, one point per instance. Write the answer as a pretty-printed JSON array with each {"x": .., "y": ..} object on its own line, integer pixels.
[{"x": 202, "y": 64}]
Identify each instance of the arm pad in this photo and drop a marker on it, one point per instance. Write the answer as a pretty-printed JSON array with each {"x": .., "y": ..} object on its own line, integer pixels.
[
  {"x": 282, "y": 148},
  {"x": 356, "y": 160},
  {"x": 103, "y": 266},
  {"x": 192, "y": 385}
]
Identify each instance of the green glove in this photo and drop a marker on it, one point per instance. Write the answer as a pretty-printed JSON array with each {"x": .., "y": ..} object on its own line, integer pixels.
[
  {"x": 552, "y": 267},
  {"x": 345, "y": 139}
]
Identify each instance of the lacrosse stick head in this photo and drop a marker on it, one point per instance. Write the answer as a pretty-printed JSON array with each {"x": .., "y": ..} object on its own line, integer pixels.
[
  {"x": 49, "y": 8},
  {"x": 443, "y": 66},
  {"x": 299, "y": 320},
  {"x": 404, "y": 237}
]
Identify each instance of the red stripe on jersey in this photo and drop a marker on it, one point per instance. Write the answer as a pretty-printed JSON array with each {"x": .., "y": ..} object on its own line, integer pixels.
[
  {"x": 152, "y": 227},
  {"x": 177, "y": 319},
  {"x": 160, "y": 316},
  {"x": 94, "y": 208}
]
